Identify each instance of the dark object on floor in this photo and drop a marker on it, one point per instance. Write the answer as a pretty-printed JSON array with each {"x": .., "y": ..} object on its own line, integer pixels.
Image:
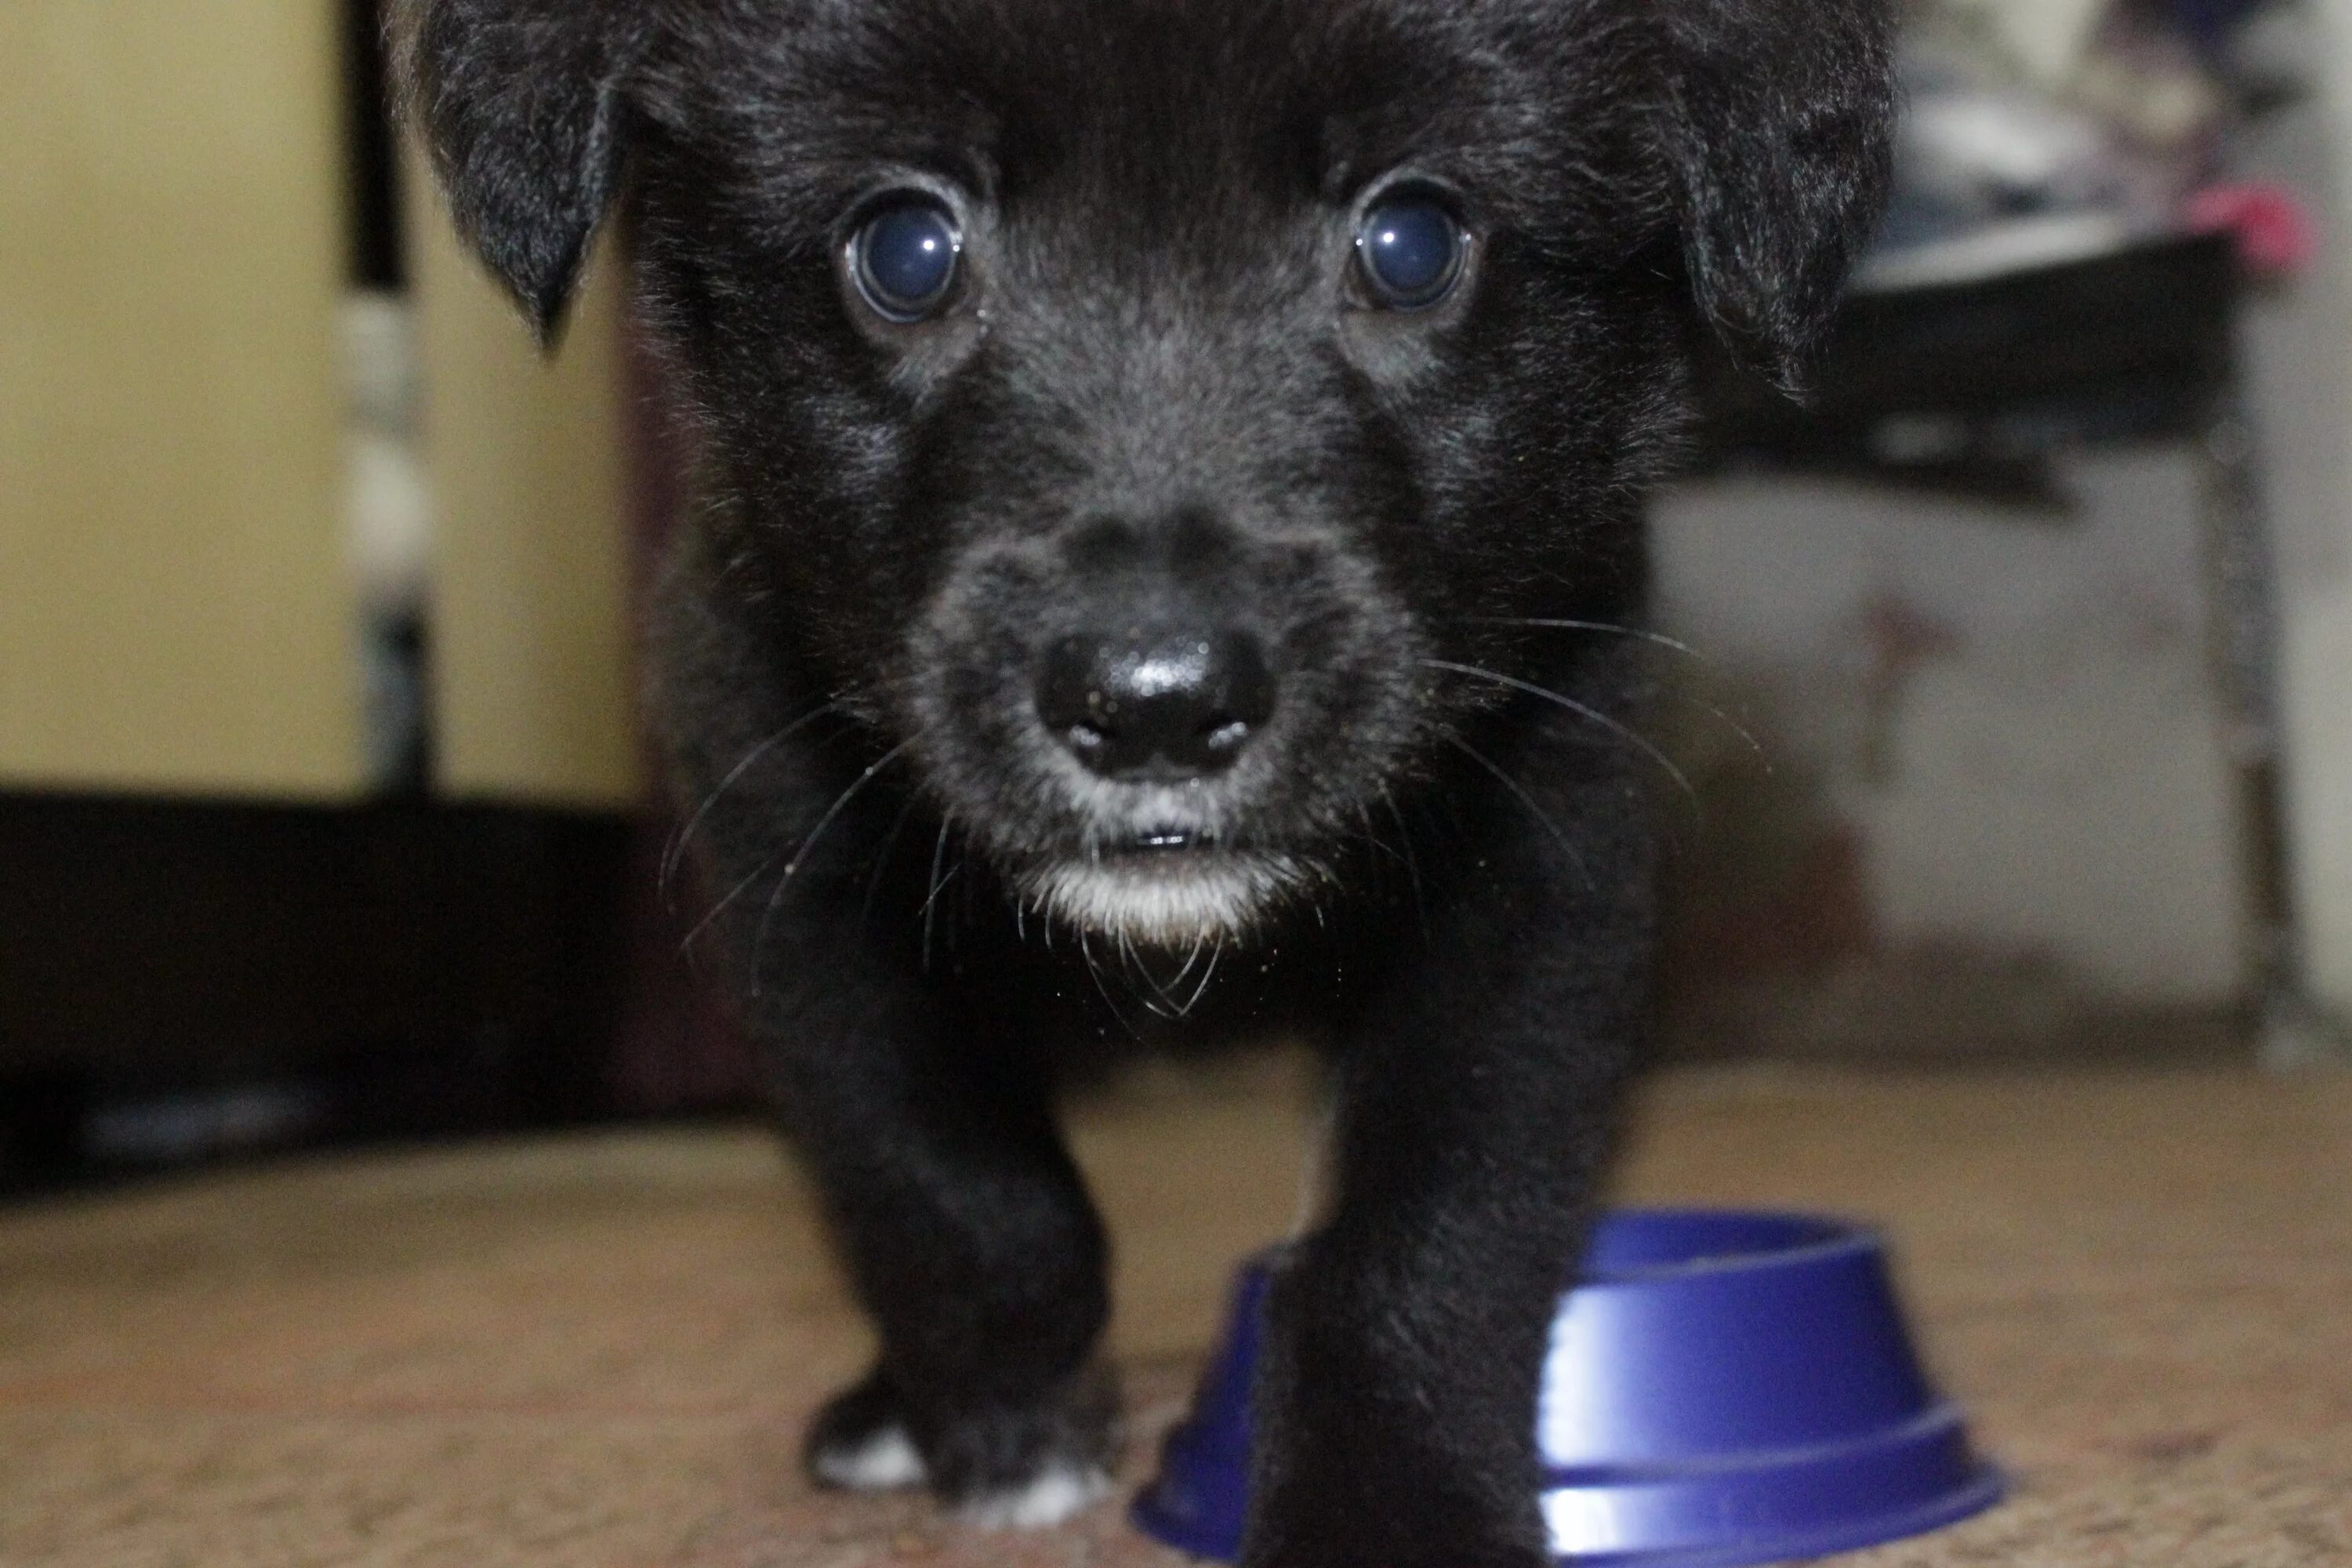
[{"x": 179, "y": 979}]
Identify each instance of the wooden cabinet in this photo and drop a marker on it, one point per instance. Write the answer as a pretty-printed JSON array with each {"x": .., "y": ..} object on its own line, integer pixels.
[
  {"x": 177, "y": 610},
  {"x": 533, "y": 696}
]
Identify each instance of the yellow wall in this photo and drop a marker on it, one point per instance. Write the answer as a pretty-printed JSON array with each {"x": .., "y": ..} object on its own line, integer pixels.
[
  {"x": 175, "y": 610},
  {"x": 531, "y": 650}
]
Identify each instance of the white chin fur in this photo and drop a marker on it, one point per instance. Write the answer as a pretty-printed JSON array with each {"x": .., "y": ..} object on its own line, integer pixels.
[
  {"x": 886, "y": 1462},
  {"x": 1171, "y": 901},
  {"x": 1062, "y": 1492}
]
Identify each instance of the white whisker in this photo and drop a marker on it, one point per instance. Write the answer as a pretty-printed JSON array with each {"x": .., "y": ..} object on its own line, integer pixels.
[
  {"x": 930, "y": 903},
  {"x": 1087, "y": 950},
  {"x": 1508, "y": 783},
  {"x": 1206, "y": 976},
  {"x": 1610, "y": 629},
  {"x": 1131, "y": 965},
  {"x": 800, "y": 855},
  {"x": 882, "y": 859},
  {"x": 1734, "y": 725},
  {"x": 675, "y": 855},
  {"x": 1412, "y": 860},
  {"x": 1631, "y": 736},
  {"x": 720, "y": 908},
  {"x": 1191, "y": 959}
]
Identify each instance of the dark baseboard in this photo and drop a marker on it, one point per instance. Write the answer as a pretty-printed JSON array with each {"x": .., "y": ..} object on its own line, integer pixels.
[{"x": 178, "y": 977}]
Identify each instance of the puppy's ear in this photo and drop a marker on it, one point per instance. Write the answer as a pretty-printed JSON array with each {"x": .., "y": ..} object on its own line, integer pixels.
[
  {"x": 521, "y": 103},
  {"x": 1779, "y": 135}
]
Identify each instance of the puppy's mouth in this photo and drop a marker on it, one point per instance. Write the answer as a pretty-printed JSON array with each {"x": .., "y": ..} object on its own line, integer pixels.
[
  {"x": 1166, "y": 888},
  {"x": 1165, "y": 842}
]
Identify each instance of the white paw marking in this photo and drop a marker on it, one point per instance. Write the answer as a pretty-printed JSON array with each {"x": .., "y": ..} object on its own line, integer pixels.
[
  {"x": 886, "y": 1462},
  {"x": 1059, "y": 1493}
]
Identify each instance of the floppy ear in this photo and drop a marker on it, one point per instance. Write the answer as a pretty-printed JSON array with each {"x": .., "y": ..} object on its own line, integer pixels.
[
  {"x": 1779, "y": 135},
  {"x": 520, "y": 103}
]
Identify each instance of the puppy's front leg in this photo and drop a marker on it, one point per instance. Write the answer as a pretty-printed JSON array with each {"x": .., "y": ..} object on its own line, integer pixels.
[
  {"x": 1478, "y": 1096},
  {"x": 971, "y": 1240}
]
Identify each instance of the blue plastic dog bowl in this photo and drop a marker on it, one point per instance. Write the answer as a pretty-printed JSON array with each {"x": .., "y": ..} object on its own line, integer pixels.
[{"x": 1724, "y": 1389}]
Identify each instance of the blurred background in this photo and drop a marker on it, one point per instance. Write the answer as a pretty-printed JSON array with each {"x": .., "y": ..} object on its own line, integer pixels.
[{"x": 2018, "y": 704}]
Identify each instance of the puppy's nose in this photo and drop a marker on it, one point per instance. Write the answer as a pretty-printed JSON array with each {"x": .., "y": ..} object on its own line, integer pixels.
[{"x": 1156, "y": 709}]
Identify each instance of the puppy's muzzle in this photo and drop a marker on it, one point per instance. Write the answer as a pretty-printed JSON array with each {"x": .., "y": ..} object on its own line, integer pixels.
[{"x": 1168, "y": 705}]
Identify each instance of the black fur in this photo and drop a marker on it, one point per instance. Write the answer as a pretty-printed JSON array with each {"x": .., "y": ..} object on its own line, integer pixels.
[
  {"x": 521, "y": 105},
  {"x": 1160, "y": 401}
]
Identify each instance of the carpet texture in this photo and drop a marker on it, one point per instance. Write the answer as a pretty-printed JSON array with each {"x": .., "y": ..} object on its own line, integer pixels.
[{"x": 596, "y": 1353}]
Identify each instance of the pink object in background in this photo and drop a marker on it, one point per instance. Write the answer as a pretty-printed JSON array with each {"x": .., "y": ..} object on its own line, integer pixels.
[{"x": 2275, "y": 233}]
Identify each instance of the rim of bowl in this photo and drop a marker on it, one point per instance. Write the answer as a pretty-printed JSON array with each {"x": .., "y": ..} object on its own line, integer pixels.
[{"x": 1828, "y": 1237}]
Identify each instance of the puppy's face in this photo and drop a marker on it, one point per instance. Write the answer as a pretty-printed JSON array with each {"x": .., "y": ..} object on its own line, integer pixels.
[
  {"x": 1129, "y": 407},
  {"x": 1126, "y": 412}
]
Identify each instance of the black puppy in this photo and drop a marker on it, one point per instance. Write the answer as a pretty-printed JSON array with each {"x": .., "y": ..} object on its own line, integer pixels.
[{"x": 1169, "y": 546}]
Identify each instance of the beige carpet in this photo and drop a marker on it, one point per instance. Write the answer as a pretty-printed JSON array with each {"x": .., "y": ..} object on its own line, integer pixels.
[{"x": 596, "y": 1351}]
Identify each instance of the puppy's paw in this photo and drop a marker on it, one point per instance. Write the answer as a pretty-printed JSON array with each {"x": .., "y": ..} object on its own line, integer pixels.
[
  {"x": 1024, "y": 1467},
  {"x": 861, "y": 1442},
  {"x": 995, "y": 1466},
  {"x": 1059, "y": 1492}
]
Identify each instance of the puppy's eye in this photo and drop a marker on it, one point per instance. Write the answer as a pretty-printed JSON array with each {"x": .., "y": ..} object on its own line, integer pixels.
[
  {"x": 904, "y": 259},
  {"x": 1410, "y": 252}
]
